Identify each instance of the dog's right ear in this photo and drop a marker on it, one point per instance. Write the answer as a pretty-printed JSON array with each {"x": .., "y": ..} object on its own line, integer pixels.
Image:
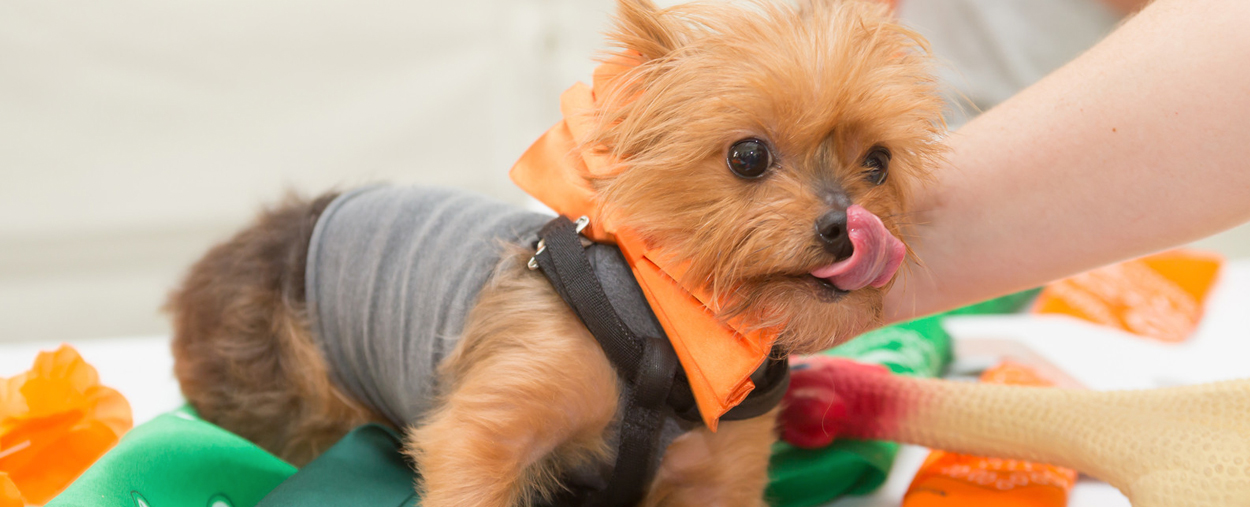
[{"x": 641, "y": 27}]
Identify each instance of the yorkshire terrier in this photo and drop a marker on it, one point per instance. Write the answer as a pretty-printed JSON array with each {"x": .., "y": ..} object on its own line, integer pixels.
[{"x": 768, "y": 148}]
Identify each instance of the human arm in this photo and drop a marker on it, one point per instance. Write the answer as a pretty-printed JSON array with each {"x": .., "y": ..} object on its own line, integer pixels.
[{"x": 1140, "y": 144}]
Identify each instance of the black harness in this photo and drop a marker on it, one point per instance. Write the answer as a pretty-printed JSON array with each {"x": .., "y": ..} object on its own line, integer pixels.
[{"x": 655, "y": 386}]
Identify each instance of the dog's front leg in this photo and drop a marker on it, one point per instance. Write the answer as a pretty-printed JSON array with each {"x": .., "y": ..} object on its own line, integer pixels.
[
  {"x": 526, "y": 404},
  {"x": 728, "y": 468}
]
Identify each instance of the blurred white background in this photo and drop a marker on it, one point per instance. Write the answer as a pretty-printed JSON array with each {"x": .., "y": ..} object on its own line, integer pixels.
[{"x": 136, "y": 133}]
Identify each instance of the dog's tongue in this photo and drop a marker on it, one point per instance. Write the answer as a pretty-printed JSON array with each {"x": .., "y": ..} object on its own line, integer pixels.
[{"x": 876, "y": 258}]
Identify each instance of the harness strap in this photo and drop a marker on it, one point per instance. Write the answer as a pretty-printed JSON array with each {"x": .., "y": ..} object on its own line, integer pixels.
[
  {"x": 564, "y": 261},
  {"x": 648, "y": 364}
]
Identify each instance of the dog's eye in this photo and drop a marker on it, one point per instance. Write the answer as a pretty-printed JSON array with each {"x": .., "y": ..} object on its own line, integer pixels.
[
  {"x": 878, "y": 164},
  {"x": 749, "y": 158}
]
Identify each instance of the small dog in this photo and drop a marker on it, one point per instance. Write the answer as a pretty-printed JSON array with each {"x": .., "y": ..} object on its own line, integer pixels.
[{"x": 765, "y": 146}]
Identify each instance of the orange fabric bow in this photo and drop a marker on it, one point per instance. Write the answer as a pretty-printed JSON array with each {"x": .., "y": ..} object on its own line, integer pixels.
[
  {"x": 557, "y": 170},
  {"x": 55, "y": 421}
]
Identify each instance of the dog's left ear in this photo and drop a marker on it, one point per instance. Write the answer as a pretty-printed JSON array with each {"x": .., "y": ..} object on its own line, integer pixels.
[{"x": 641, "y": 27}]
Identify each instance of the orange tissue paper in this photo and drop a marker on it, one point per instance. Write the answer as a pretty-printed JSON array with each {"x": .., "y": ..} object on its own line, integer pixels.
[
  {"x": 1158, "y": 297},
  {"x": 55, "y": 421},
  {"x": 950, "y": 479}
]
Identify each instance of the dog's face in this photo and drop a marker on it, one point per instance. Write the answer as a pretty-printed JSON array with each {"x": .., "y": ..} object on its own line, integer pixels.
[{"x": 771, "y": 149}]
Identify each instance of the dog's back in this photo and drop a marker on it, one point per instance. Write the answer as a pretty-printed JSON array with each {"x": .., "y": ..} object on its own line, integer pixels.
[
  {"x": 370, "y": 288},
  {"x": 392, "y": 274}
]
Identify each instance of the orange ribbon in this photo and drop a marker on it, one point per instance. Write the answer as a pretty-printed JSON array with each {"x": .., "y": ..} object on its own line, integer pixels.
[{"x": 558, "y": 170}]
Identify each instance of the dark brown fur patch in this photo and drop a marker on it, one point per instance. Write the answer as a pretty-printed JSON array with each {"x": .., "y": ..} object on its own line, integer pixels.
[{"x": 242, "y": 347}]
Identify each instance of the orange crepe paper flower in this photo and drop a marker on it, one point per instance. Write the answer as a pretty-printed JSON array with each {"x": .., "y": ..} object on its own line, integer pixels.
[
  {"x": 55, "y": 421},
  {"x": 557, "y": 170},
  {"x": 9, "y": 495},
  {"x": 1158, "y": 296}
]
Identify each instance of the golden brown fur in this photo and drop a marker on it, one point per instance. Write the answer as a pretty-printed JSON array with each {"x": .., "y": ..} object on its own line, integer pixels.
[
  {"x": 528, "y": 392},
  {"x": 824, "y": 85}
]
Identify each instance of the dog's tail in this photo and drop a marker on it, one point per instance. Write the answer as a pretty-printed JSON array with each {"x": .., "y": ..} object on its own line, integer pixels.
[{"x": 243, "y": 352}]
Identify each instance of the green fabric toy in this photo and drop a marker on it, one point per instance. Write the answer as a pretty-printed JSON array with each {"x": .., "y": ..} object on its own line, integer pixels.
[
  {"x": 178, "y": 460},
  {"x": 364, "y": 468}
]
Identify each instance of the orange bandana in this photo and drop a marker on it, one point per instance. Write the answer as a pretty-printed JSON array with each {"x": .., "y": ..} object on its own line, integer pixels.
[{"x": 717, "y": 357}]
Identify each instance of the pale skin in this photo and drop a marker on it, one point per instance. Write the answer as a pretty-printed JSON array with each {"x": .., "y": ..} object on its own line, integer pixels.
[
  {"x": 1141, "y": 144},
  {"x": 1125, "y": 6}
]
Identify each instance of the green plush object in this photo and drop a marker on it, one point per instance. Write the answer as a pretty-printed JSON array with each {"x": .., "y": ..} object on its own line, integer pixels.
[
  {"x": 363, "y": 468},
  {"x": 1010, "y": 303},
  {"x": 807, "y": 477},
  {"x": 179, "y": 460}
]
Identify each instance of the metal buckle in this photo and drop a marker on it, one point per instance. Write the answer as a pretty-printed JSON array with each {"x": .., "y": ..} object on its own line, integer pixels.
[{"x": 581, "y": 224}]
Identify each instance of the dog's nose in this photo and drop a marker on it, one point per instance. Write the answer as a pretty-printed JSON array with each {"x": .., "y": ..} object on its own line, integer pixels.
[{"x": 831, "y": 228}]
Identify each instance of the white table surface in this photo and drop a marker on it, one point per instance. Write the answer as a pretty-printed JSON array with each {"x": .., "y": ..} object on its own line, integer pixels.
[{"x": 1101, "y": 358}]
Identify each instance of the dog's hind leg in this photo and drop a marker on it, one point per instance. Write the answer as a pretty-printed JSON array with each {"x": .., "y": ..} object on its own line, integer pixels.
[{"x": 528, "y": 394}]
